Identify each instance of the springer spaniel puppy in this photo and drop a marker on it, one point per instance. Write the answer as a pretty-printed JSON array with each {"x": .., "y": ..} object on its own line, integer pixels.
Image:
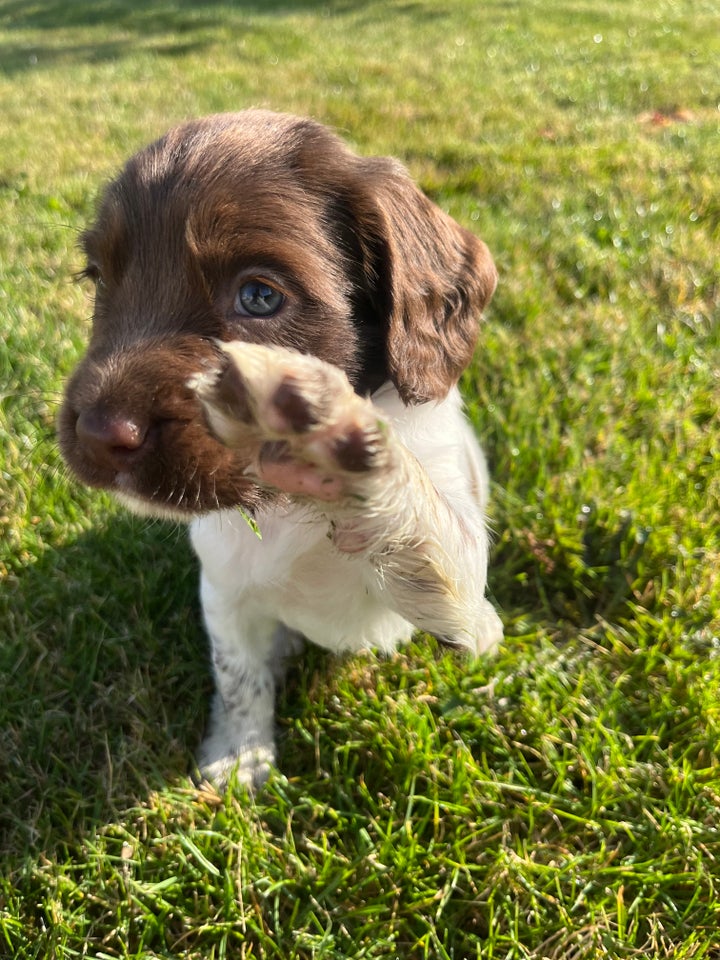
[{"x": 278, "y": 332}]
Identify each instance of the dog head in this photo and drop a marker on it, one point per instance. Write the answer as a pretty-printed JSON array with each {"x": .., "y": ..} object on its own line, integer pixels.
[{"x": 264, "y": 228}]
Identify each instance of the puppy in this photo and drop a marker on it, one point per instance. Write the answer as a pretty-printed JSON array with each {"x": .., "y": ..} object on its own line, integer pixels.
[{"x": 278, "y": 332}]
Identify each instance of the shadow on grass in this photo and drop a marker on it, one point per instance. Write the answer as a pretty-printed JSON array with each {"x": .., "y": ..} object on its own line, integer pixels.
[
  {"x": 157, "y": 15},
  {"x": 572, "y": 578},
  {"x": 160, "y": 26},
  {"x": 106, "y": 682}
]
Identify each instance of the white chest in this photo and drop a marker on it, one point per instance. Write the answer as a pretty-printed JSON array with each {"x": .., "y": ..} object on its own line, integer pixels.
[{"x": 294, "y": 575}]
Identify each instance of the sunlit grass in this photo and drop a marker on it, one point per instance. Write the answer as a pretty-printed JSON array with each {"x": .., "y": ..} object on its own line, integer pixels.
[{"x": 558, "y": 801}]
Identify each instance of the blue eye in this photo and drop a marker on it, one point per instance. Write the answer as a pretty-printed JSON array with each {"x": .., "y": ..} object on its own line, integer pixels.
[{"x": 257, "y": 299}]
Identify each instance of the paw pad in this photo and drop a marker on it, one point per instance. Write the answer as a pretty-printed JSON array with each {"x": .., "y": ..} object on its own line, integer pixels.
[{"x": 315, "y": 436}]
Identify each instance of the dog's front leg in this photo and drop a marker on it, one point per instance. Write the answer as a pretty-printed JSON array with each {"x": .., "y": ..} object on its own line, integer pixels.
[
  {"x": 240, "y": 738},
  {"x": 330, "y": 447}
]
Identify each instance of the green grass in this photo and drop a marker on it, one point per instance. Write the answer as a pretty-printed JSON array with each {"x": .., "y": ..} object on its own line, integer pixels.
[{"x": 561, "y": 800}]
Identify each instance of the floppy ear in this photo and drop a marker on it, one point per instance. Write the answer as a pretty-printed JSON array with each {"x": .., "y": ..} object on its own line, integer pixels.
[{"x": 429, "y": 277}]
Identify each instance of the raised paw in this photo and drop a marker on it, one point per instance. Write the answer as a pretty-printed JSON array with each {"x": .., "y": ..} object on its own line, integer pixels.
[{"x": 315, "y": 435}]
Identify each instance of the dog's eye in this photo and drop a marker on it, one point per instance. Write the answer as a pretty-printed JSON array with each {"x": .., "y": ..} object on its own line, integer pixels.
[
  {"x": 91, "y": 272},
  {"x": 257, "y": 299}
]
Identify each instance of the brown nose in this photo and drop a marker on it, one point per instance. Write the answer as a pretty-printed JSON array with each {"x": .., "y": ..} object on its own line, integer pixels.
[{"x": 111, "y": 440}]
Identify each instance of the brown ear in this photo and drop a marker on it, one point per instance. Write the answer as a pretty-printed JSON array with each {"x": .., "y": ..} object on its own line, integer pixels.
[{"x": 431, "y": 277}]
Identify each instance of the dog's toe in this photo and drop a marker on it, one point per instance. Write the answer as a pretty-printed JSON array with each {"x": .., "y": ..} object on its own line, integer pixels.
[
  {"x": 317, "y": 436},
  {"x": 248, "y": 766}
]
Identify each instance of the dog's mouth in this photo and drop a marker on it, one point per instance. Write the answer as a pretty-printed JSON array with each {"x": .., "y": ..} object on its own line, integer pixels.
[
  {"x": 179, "y": 512},
  {"x": 131, "y": 424},
  {"x": 166, "y": 467}
]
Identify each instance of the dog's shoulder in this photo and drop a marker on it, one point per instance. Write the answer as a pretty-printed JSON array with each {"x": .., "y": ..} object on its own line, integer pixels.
[{"x": 444, "y": 442}]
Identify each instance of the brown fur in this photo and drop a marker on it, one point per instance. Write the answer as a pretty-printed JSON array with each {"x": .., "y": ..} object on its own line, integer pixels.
[{"x": 378, "y": 281}]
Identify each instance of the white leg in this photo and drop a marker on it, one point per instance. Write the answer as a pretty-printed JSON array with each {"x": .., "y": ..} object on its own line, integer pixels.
[{"x": 248, "y": 658}]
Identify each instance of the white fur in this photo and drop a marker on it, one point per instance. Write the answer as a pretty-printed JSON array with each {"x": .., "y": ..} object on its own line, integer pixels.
[{"x": 259, "y": 595}]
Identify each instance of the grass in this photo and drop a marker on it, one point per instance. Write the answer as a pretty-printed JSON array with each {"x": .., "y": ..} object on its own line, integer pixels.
[{"x": 558, "y": 801}]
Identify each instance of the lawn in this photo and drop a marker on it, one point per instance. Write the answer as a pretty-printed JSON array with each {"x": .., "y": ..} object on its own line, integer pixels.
[{"x": 560, "y": 800}]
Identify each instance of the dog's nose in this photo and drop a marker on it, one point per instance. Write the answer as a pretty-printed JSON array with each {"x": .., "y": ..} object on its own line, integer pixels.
[{"x": 111, "y": 440}]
